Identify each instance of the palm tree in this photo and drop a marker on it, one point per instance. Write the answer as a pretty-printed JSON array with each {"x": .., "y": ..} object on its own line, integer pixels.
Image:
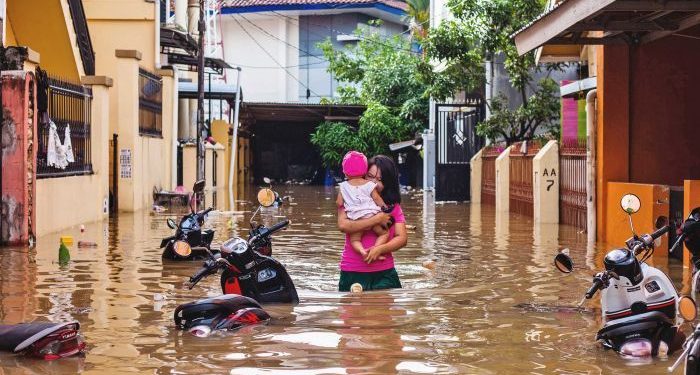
[{"x": 418, "y": 15}]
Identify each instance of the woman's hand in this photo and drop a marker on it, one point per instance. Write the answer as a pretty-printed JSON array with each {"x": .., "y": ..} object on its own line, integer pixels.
[{"x": 374, "y": 253}]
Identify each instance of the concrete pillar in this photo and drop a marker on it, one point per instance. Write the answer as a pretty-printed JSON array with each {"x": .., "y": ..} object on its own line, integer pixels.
[
  {"x": 181, "y": 13},
  {"x": 170, "y": 124},
  {"x": 503, "y": 181},
  {"x": 183, "y": 117},
  {"x": 475, "y": 179},
  {"x": 545, "y": 184},
  {"x": 100, "y": 136},
  {"x": 428, "y": 160},
  {"x": 130, "y": 178}
]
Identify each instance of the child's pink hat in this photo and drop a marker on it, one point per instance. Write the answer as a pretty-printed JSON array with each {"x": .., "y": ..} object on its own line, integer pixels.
[{"x": 354, "y": 164}]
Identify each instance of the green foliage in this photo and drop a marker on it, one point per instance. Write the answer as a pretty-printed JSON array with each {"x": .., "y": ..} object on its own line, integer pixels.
[
  {"x": 479, "y": 32},
  {"x": 381, "y": 74}
]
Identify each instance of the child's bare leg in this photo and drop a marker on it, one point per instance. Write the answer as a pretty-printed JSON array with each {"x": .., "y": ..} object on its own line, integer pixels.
[
  {"x": 356, "y": 243},
  {"x": 382, "y": 237}
]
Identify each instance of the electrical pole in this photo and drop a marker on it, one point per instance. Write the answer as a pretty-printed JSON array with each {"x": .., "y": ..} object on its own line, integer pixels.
[{"x": 200, "y": 93}]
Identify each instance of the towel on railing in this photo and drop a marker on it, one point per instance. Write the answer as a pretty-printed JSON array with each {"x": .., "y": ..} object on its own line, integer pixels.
[{"x": 58, "y": 154}]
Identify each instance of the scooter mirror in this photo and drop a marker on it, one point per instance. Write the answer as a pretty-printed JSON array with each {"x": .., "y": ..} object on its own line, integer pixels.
[
  {"x": 267, "y": 180},
  {"x": 563, "y": 263},
  {"x": 661, "y": 222},
  {"x": 266, "y": 197},
  {"x": 695, "y": 214},
  {"x": 687, "y": 308},
  {"x": 198, "y": 186},
  {"x": 171, "y": 224},
  {"x": 630, "y": 203}
]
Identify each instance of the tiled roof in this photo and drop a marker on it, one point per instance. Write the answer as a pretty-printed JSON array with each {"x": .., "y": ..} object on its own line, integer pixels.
[
  {"x": 554, "y": 5},
  {"x": 254, "y": 3}
]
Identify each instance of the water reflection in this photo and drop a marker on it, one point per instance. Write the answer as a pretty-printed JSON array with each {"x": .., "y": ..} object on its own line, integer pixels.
[{"x": 493, "y": 304}]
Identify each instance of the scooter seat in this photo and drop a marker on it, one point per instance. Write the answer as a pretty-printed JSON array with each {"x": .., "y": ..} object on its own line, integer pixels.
[
  {"x": 211, "y": 309},
  {"x": 18, "y": 337},
  {"x": 634, "y": 323}
]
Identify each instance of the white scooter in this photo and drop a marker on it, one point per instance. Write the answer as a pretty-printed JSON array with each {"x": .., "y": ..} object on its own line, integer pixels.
[{"x": 640, "y": 305}]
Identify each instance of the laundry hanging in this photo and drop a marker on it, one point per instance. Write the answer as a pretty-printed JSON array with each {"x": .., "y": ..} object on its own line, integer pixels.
[{"x": 58, "y": 154}]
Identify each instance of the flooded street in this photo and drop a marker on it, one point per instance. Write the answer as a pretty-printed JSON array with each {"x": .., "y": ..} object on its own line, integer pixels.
[{"x": 493, "y": 305}]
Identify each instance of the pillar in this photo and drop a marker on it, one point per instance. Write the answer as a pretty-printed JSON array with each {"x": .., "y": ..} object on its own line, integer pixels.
[
  {"x": 100, "y": 136},
  {"x": 545, "y": 184},
  {"x": 503, "y": 181},
  {"x": 475, "y": 178},
  {"x": 129, "y": 153},
  {"x": 170, "y": 123}
]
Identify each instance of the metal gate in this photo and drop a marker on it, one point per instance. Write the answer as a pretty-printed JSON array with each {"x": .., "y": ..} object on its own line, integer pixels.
[
  {"x": 520, "y": 189},
  {"x": 456, "y": 143},
  {"x": 572, "y": 179}
]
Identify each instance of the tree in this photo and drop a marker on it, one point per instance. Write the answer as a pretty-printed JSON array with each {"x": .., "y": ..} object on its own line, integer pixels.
[
  {"x": 479, "y": 32},
  {"x": 382, "y": 75},
  {"x": 418, "y": 15}
]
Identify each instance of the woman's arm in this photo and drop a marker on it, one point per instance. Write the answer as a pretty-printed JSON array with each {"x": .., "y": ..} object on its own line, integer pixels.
[
  {"x": 346, "y": 225},
  {"x": 400, "y": 239}
]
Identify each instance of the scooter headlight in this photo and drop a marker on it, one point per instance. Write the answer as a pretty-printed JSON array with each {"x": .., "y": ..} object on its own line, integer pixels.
[
  {"x": 182, "y": 248},
  {"x": 636, "y": 348}
]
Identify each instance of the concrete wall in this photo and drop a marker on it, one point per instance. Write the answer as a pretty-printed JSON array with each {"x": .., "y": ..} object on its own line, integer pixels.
[
  {"x": 262, "y": 78},
  {"x": 69, "y": 201},
  {"x": 476, "y": 166}
]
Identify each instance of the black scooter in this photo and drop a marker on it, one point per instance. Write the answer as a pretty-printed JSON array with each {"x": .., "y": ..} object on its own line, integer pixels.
[
  {"x": 47, "y": 341},
  {"x": 190, "y": 242},
  {"x": 248, "y": 278}
]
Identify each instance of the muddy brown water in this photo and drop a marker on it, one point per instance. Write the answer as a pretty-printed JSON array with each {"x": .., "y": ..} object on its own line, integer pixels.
[{"x": 494, "y": 304}]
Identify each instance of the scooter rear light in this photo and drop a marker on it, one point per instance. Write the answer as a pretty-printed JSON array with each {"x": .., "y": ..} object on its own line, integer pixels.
[
  {"x": 59, "y": 345},
  {"x": 636, "y": 348},
  {"x": 200, "y": 331}
]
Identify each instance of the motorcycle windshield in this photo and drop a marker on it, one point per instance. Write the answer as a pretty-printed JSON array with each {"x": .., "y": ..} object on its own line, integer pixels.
[{"x": 189, "y": 223}]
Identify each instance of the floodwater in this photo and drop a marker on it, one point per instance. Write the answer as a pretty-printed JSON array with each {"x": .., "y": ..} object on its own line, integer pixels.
[{"x": 493, "y": 305}]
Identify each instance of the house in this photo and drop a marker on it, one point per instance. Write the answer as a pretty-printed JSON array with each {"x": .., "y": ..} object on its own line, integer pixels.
[
  {"x": 284, "y": 74},
  {"x": 645, "y": 102},
  {"x": 106, "y": 75}
]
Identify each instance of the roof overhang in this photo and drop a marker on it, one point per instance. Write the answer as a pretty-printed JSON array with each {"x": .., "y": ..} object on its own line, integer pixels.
[
  {"x": 217, "y": 65},
  {"x": 188, "y": 90},
  {"x": 301, "y": 112},
  {"x": 378, "y": 10},
  {"x": 601, "y": 22}
]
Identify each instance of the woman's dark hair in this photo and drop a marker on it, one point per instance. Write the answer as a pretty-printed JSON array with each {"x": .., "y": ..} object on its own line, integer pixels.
[{"x": 391, "y": 194}]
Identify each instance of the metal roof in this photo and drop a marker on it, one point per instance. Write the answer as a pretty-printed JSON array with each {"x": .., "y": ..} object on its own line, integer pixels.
[{"x": 340, "y": 3}]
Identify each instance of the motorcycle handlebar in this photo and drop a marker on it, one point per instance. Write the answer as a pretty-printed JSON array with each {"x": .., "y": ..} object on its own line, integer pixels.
[
  {"x": 205, "y": 211},
  {"x": 206, "y": 269},
  {"x": 597, "y": 284},
  {"x": 660, "y": 232},
  {"x": 279, "y": 226}
]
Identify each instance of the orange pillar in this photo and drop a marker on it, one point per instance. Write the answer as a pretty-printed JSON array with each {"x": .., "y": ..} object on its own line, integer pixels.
[{"x": 612, "y": 112}]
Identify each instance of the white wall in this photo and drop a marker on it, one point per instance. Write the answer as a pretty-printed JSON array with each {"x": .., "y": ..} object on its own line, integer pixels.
[{"x": 261, "y": 78}]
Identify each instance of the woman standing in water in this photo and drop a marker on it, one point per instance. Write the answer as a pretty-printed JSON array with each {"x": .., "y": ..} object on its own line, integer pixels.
[{"x": 370, "y": 271}]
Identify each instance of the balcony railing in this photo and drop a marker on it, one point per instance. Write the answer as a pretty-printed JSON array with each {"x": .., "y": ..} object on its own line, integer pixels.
[
  {"x": 87, "y": 54},
  {"x": 69, "y": 104},
  {"x": 150, "y": 104}
]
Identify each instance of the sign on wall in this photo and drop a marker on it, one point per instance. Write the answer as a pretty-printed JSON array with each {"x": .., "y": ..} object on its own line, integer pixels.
[{"x": 125, "y": 163}]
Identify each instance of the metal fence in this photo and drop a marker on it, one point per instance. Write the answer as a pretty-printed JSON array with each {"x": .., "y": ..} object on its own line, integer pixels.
[
  {"x": 520, "y": 190},
  {"x": 488, "y": 174},
  {"x": 68, "y": 105},
  {"x": 572, "y": 180},
  {"x": 150, "y": 104}
]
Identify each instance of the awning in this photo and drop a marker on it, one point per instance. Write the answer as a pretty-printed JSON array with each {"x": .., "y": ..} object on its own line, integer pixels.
[
  {"x": 217, "y": 65},
  {"x": 301, "y": 112},
  {"x": 188, "y": 90},
  {"x": 175, "y": 39},
  {"x": 600, "y": 22}
]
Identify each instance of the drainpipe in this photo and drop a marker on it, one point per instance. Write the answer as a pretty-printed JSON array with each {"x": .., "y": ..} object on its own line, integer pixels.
[
  {"x": 234, "y": 140},
  {"x": 591, "y": 164}
]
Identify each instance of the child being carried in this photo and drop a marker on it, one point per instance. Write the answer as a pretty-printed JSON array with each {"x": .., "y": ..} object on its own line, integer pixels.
[{"x": 361, "y": 199}]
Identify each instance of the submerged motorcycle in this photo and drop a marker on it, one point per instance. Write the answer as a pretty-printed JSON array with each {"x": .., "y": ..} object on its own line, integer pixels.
[
  {"x": 47, "y": 341},
  {"x": 190, "y": 242},
  {"x": 640, "y": 305},
  {"x": 249, "y": 278}
]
